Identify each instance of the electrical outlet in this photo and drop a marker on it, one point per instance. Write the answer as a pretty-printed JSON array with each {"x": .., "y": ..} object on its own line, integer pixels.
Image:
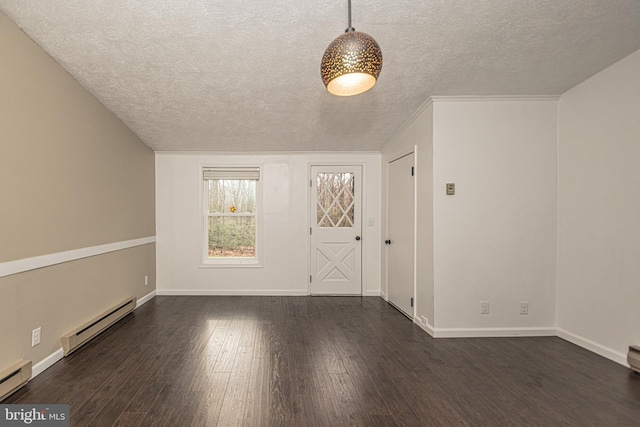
[
  {"x": 484, "y": 307},
  {"x": 524, "y": 308},
  {"x": 35, "y": 336},
  {"x": 146, "y": 280}
]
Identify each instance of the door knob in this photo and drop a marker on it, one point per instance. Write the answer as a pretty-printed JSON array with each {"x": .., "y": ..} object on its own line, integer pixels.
[
  {"x": 387, "y": 242},
  {"x": 357, "y": 237}
]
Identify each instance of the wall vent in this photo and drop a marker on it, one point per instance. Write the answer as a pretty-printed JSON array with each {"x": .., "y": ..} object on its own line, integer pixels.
[
  {"x": 76, "y": 338},
  {"x": 14, "y": 377},
  {"x": 634, "y": 357}
]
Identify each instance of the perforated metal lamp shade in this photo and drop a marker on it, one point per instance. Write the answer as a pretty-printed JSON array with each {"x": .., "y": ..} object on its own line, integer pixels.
[{"x": 351, "y": 64}]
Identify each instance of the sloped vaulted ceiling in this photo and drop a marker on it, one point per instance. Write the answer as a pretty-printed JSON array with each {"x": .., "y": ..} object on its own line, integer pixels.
[{"x": 245, "y": 75}]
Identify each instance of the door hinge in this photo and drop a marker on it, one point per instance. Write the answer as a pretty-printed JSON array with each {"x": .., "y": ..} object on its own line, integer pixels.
[
  {"x": 310, "y": 279},
  {"x": 411, "y": 301},
  {"x": 310, "y": 230},
  {"x": 412, "y": 170},
  {"x": 310, "y": 183}
]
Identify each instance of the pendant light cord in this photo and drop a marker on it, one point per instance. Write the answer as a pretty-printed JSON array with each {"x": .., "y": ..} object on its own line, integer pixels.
[{"x": 349, "y": 27}]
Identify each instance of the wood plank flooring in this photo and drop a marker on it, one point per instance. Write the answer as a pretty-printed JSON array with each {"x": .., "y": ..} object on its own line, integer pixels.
[{"x": 324, "y": 361}]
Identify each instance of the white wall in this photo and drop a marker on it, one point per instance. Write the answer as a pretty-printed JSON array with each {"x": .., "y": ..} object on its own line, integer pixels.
[
  {"x": 599, "y": 211},
  {"x": 285, "y": 233},
  {"x": 418, "y": 136},
  {"x": 495, "y": 239}
]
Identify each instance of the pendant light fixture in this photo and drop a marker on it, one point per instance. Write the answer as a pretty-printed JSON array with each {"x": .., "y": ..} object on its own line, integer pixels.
[{"x": 352, "y": 63}]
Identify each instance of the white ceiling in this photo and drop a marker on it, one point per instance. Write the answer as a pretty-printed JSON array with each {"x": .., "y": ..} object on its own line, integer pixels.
[{"x": 245, "y": 75}]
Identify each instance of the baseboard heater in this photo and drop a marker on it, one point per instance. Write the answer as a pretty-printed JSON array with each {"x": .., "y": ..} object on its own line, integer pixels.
[
  {"x": 633, "y": 357},
  {"x": 76, "y": 338},
  {"x": 14, "y": 377}
]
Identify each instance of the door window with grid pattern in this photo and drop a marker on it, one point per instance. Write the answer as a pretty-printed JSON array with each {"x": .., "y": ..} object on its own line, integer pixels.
[{"x": 335, "y": 199}]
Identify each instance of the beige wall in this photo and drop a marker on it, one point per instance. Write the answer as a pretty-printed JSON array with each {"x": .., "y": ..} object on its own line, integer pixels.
[
  {"x": 64, "y": 296},
  {"x": 72, "y": 176}
]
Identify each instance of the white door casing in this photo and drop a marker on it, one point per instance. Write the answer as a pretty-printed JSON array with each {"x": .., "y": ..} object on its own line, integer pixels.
[
  {"x": 336, "y": 226},
  {"x": 401, "y": 233}
]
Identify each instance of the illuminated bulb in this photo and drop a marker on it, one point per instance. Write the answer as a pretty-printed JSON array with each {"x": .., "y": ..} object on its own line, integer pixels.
[{"x": 351, "y": 84}]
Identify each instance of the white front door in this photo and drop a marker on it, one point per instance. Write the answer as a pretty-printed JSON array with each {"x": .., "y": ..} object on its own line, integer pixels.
[
  {"x": 400, "y": 234},
  {"x": 336, "y": 239}
]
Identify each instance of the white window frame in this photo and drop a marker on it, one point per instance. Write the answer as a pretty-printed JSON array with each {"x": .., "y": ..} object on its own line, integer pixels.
[{"x": 228, "y": 262}]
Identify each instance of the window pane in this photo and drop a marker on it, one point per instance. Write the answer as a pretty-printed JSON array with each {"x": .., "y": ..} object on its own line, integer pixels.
[
  {"x": 232, "y": 236},
  {"x": 335, "y": 197},
  {"x": 232, "y": 196}
]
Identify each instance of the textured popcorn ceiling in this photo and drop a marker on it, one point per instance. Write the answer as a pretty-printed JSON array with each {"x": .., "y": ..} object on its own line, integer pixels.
[{"x": 245, "y": 75}]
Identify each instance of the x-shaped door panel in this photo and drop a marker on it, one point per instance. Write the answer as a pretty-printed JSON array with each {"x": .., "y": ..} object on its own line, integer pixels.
[{"x": 335, "y": 262}]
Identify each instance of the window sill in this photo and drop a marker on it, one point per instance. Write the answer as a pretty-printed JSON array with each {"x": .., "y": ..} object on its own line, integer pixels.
[{"x": 230, "y": 264}]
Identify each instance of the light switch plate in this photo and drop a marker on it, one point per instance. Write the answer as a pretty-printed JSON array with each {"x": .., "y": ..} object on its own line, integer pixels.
[{"x": 451, "y": 189}]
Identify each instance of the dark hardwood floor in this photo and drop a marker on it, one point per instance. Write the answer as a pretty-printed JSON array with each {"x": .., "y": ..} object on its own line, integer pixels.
[{"x": 316, "y": 361}]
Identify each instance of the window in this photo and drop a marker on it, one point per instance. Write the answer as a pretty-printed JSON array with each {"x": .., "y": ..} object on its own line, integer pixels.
[
  {"x": 230, "y": 217},
  {"x": 336, "y": 203}
]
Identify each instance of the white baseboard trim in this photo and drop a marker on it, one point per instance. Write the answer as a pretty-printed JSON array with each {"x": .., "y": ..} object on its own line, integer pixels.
[
  {"x": 46, "y": 363},
  {"x": 593, "y": 347},
  {"x": 371, "y": 294},
  {"x": 492, "y": 332},
  {"x": 145, "y": 298},
  {"x": 233, "y": 292},
  {"x": 427, "y": 328},
  {"x": 26, "y": 264}
]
